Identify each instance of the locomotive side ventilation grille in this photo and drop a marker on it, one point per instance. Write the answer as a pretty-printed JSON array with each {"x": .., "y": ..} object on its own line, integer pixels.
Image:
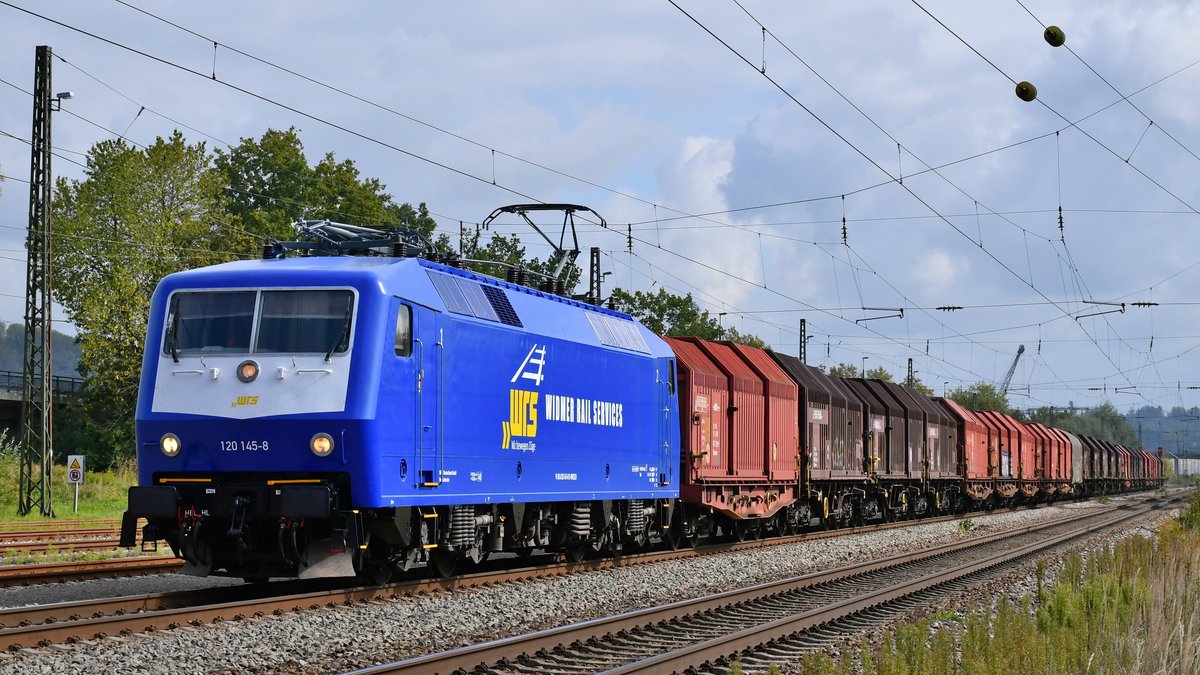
[
  {"x": 463, "y": 296},
  {"x": 503, "y": 308},
  {"x": 616, "y": 332}
]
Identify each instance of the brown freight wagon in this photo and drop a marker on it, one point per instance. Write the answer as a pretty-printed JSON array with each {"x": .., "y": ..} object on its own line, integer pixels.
[
  {"x": 1071, "y": 469},
  {"x": 884, "y": 423},
  {"x": 831, "y": 423},
  {"x": 940, "y": 449},
  {"x": 913, "y": 420}
]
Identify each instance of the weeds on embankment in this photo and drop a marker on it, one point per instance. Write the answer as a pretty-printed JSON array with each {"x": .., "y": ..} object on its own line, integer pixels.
[{"x": 1132, "y": 607}]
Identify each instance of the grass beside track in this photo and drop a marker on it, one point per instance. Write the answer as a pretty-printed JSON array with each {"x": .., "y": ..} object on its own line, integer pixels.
[
  {"x": 1129, "y": 608},
  {"x": 101, "y": 497}
]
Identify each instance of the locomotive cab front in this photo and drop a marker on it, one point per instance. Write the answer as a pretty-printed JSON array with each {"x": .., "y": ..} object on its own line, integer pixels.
[{"x": 244, "y": 422}]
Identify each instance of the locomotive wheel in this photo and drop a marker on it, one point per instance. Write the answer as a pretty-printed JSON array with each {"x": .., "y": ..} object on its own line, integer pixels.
[
  {"x": 576, "y": 552},
  {"x": 409, "y": 560},
  {"x": 378, "y": 572},
  {"x": 442, "y": 563}
]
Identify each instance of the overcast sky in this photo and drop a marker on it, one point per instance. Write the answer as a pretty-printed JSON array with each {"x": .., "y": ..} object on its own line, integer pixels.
[{"x": 733, "y": 140}]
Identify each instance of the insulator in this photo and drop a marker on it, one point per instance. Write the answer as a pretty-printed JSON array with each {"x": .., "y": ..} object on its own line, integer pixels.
[
  {"x": 1026, "y": 91},
  {"x": 560, "y": 287},
  {"x": 268, "y": 250},
  {"x": 511, "y": 276},
  {"x": 399, "y": 249},
  {"x": 523, "y": 277},
  {"x": 1055, "y": 36}
]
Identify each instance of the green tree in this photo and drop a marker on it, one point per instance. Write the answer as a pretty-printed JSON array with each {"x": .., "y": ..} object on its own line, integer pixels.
[
  {"x": 850, "y": 370},
  {"x": 137, "y": 216},
  {"x": 509, "y": 251},
  {"x": 668, "y": 314},
  {"x": 1103, "y": 421},
  {"x": 981, "y": 396},
  {"x": 271, "y": 185}
]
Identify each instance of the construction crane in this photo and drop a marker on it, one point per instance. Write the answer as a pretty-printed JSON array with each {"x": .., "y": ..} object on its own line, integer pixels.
[{"x": 1011, "y": 369}]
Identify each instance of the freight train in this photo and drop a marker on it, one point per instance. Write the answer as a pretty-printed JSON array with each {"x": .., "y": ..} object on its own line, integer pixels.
[{"x": 361, "y": 415}]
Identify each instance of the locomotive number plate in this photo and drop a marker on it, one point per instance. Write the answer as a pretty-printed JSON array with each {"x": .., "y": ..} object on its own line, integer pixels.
[{"x": 244, "y": 446}]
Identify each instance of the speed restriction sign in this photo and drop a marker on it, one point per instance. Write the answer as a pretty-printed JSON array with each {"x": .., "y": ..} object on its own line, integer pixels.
[{"x": 75, "y": 469}]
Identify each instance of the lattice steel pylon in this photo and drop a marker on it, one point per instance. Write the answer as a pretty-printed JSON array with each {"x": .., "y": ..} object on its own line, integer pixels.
[{"x": 37, "y": 435}]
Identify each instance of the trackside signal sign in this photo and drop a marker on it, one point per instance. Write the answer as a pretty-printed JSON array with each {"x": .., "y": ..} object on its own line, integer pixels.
[{"x": 75, "y": 465}]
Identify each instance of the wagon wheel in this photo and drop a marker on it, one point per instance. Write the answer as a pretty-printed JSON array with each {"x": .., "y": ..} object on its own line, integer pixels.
[
  {"x": 783, "y": 525},
  {"x": 682, "y": 533},
  {"x": 889, "y": 516}
]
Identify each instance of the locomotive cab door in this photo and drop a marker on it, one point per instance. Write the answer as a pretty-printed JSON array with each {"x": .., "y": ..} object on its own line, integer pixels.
[{"x": 429, "y": 351}]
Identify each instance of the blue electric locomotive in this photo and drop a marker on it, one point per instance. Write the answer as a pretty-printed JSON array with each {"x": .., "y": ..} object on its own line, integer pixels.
[{"x": 346, "y": 415}]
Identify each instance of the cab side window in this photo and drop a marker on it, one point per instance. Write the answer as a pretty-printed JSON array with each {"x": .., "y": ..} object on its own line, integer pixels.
[{"x": 404, "y": 331}]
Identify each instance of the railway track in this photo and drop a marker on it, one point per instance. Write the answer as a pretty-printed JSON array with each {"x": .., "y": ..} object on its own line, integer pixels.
[
  {"x": 764, "y": 624},
  {"x": 68, "y": 622},
  {"x": 65, "y": 622},
  {"x": 79, "y": 570}
]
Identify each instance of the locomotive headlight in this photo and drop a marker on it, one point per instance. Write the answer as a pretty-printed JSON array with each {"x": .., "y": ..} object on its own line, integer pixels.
[
  {"x": 321, "y": 445},
  {"x": 247, "y": 371},
  {"x": 169, "y": 444}
]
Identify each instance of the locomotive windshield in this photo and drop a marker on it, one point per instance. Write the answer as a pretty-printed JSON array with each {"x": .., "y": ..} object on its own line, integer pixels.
[{"x": 262, "y": 322}]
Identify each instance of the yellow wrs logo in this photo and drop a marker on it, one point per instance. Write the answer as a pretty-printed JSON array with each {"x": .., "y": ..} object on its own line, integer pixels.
[
  {"x": 522, "y": 416},
  {"x": 244, "y": 400}
]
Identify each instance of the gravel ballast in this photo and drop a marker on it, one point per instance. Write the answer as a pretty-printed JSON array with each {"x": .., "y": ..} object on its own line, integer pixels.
[{"x": 344, "y": 638}]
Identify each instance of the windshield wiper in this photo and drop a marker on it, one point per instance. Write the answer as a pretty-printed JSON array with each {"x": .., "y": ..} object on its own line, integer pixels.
[
  {"x": 345, "y": 336},
  {"x": 173, "y": 336}
]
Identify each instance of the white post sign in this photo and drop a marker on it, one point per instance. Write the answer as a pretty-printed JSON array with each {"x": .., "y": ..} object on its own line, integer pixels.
[{"x": 75, "y": 465}]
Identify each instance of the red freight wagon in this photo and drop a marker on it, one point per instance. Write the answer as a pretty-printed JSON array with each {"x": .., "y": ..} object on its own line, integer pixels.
[
  {"x": 970, "y": 438},
  {"x": 1037, "y": 441},
  {"x": 1046, "y": 451},
  {"x": 1058, "y": 447},
  {"x": 747, "y": 410},
  {"x": 1003, "y": 444},
  {"x": 830, "y": 424},
  {"x": 703, "y": 400},
  {"x": 1022, "y": 446},
  {"x": 782, "y": 443}
]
